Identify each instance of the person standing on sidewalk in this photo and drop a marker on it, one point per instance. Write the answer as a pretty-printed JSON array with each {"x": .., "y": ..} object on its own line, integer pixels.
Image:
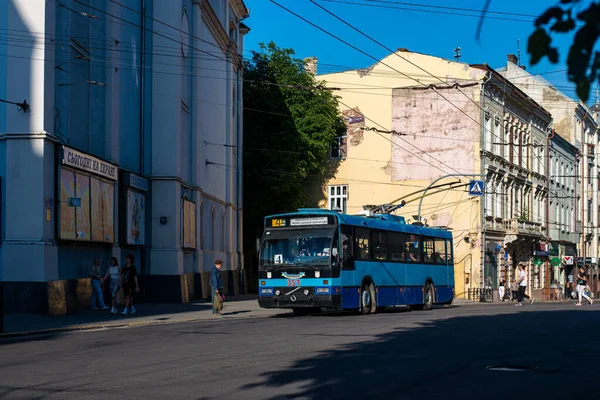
[
  {"x": 216, "y": 288},
  {"x": 96, "y": 286},
  {"x": 581, "y": 285},
  {"x": 114, "y": 273},
  {"x": 130, "y": 283}
]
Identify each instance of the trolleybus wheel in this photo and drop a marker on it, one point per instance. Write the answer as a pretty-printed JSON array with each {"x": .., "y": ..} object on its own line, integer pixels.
[
  {"x": 367, "y": 299},
  {"x": 428, "y": 297}
]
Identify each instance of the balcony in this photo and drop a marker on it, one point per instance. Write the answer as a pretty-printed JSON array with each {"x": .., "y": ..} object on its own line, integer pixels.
[
  {"x": 515, "y": 227},
  {"x": 527, "y": 228},
  {"x": 495, "y": 224},
  {"x": 556, "y": 234}
]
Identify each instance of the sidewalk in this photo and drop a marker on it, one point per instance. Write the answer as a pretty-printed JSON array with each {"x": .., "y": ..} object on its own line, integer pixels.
[{"x": 147, "y": 313}]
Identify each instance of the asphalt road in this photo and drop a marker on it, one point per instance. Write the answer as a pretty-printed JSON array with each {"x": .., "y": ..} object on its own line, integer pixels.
[{"x": 443, "y": 353}]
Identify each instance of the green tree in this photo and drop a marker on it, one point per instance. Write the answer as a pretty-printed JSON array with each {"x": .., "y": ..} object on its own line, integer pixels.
[
  {"x": 582, "y": 61},
  {"x": 290, "y": 121}
]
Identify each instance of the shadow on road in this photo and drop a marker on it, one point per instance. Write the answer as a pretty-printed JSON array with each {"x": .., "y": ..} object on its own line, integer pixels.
[{"x": 449, "y": 357}]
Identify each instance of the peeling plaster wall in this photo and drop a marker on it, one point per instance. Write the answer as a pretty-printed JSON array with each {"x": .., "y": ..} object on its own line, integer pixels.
[{"x": 442, "y": 137}]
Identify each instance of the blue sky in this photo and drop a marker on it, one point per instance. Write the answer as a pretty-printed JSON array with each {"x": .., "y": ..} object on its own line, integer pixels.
[{"x": 437, "y": 31}]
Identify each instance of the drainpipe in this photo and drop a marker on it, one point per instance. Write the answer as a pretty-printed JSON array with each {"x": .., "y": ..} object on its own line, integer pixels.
[
  {"x": 240, "y": 158},
  {"x": 142, "y": 76},
  {"x": 240, "y": 161},
  {"x": 483, "y": 198},
  {"x": 143, "y": 269}
]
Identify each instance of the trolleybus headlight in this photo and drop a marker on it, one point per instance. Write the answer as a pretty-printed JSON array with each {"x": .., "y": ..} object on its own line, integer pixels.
[
  {"x": 306, "y": 292},
  {"x": 269, "y": 275},
  {"x": 317, "y": 274},
  {"x": 277, "y": 292}
]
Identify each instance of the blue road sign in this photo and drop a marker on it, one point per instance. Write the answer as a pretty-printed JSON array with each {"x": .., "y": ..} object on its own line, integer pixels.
[{"x": 476, "y": 188}]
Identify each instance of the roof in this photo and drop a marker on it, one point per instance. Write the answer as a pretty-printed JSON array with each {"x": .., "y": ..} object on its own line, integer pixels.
[
  {"x": 521, "y": 94},
  {"x": 371, "y": 222}
]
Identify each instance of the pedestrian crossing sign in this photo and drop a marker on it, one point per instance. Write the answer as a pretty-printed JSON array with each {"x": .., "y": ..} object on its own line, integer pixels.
[{"x": 476, "y": 188}]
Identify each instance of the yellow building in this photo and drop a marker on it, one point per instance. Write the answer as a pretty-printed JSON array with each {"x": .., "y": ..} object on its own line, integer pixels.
[{"x": 413, "y": 119}]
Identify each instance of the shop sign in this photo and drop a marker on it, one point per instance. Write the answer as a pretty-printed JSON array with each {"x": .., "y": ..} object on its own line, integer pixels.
[
  {"x": 555, "y": 261},
  {"x": 568, "y": 260},
  {"x": 137, "y": 182},
  {"x": 85, "y": 162}
]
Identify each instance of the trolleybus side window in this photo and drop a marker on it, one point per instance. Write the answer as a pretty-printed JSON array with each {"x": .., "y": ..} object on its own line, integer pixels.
[
  {"x": 434, "y": 250},
  {"x": 397, "y": 246},
  {"x": 347, "y": 247},
  {"x": 449, "y": 252},
  {"x": 361, "y": 243},
  {"x": 413, "y": 248},
  {"x": 428, "y": 250},
  {"x": 379, "y": 245},
  {"x": 439, "y": 254}
]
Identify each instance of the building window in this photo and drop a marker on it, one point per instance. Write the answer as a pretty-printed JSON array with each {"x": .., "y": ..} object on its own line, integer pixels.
[
  {"x": 86, "y": 207},
  {"x": 339, "y": 147},
  {"x": 338, "y": 198},
  {"x": 223, "y": 230},
  {"x": 497, "y": 138},
  {"x": 214, "y": 233},
  {"x": 488, "y": 133},
  {"x": 506, "y": 149},
  {"x": 188, "y": 224},
  {"x": 201, "y": 226}
]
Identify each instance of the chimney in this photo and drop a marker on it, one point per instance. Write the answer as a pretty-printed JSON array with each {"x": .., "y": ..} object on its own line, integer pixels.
[
  {"x": 310, "y": 63},
  {"x": 523, "y": 68},
  {"x": 513, "y": 59}
]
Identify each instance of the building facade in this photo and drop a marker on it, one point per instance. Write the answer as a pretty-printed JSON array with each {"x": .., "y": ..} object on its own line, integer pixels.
[
  {"x": 577, "y": 124},
  {"x": 563, "y": 204},
  {"x": 431, "y": 121},
  {"x": 129, "y": 143}
]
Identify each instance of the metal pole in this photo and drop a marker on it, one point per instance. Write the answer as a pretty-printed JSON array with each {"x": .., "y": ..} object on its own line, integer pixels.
[{"x": 483, "y": 198}]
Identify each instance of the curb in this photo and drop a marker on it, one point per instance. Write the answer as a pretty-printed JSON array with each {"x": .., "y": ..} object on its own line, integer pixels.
[
  {"x": 90, "y": 327},
  {"x": 75, "y": 328}
]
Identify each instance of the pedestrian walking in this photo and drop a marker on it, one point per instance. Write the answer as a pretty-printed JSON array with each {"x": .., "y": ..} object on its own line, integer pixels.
[
  {"x": 129, "y": 280},
  {"x": 113, "y": 273},
  {"x": 216, "y": 289},
  {"x": 522, "y": 281},
  {"x": 581, "y": 287},
  {"x": 502, "y": 290},
  {"x": 96, "y": 285}
]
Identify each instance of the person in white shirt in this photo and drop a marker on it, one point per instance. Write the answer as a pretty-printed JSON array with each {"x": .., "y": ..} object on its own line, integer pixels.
[{"x": 522, "y": 281}]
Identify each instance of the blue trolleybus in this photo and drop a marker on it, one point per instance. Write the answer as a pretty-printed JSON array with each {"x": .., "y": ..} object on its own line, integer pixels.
[{"x": 315, "y": 258}]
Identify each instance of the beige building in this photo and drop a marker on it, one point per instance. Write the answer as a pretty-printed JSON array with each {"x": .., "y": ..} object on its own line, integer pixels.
[{"x": 414, "y": 120}]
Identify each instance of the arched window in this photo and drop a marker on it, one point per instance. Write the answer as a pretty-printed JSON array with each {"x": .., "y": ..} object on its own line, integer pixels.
[
  {"x": 201, "y": 230},
  {"x": 213, "y": 239},
  {"x": 223, "y": 230}
]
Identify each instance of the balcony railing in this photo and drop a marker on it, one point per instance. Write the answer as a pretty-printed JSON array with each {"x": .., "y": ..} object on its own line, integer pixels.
[{"x": 515, "y": 226}]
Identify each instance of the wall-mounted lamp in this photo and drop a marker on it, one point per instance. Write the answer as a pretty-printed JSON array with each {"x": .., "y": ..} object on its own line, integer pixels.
[{"x": 163, "y": 220}]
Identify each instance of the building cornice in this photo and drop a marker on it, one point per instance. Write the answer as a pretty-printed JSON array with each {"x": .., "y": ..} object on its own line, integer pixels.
[
  {"x": 215, "y": 27},
  {"x": 240, "y": 8}
]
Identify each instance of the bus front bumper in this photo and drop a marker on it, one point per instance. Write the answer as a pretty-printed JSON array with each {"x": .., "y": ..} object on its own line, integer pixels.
[{"x": 300, "y": 300}]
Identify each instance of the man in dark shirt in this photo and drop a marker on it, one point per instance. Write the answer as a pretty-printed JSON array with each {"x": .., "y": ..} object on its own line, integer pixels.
[
  {"x": 216, "y": 288},
  {"x": 129, "y": 281}
]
